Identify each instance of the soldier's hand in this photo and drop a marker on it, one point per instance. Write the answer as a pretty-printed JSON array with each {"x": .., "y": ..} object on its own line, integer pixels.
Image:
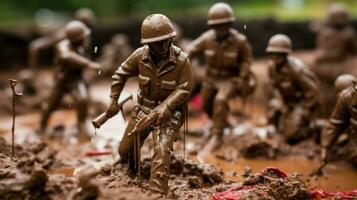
[
  {"x": 113, "y": 108},
  {"x": 163, "y": 112}
]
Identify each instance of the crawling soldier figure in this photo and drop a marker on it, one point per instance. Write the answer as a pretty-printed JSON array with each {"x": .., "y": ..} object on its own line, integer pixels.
[
  {"x": 343, "y": 119},
  {"x": 295, "y": 91},
  {"x": 165, "y": 83},
  {"x": 71, "y": 63}
]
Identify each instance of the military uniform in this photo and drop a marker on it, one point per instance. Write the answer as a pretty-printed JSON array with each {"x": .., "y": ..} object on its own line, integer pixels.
[
  {"x": 296, "y": 89},
  {"x": 168, "y": 83},
  {"x": 71, "y": 62},
  {"x": 228, "y": 66},
  {"x": 343, "y": 119}
]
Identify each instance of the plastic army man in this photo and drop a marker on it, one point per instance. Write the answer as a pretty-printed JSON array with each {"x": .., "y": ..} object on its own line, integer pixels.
[
  {"x": 84, "y": 15},
  {"x": 295, "y": 100},
  {"x": 336, "y": 39},
  {"x": 228, "y": 57},
  {"x": 343, "y": 119},
  {"x": 71, "y": 61},
  {"x": 165, "y": 83},
  {"x": 114, "y": 53}
]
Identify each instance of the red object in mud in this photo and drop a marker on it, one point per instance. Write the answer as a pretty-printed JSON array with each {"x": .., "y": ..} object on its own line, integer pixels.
[
  {"x": 236, "y": 193},
  {"x": 320, "y": 194},
  {"x": 98, "y": 153},
  {"x": 239, "y": 192}
]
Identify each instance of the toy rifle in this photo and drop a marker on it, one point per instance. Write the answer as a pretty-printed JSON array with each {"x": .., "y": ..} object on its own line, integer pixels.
[
  {"x": 15, "y": 96},
  {"x": 101, "y": 119}
]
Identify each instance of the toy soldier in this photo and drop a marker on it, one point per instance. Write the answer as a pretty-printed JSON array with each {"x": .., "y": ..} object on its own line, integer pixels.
[
  {"x": 71, "y": 62},
  {"x": 343, "y": 119},
  {"x": 295, "y": 102},
  {"x": 84, "y": 15},
  {"x": 336, "y": 39},
  {"x": 114, "y": 53},
  {"x": 228, "y": 55},
  {"x": 165, "y": 82}
]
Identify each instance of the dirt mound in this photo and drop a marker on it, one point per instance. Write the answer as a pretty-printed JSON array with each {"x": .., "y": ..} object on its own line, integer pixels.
[
  {"x": 269, "y": 184},
  {"x": 189, "y": 180}
]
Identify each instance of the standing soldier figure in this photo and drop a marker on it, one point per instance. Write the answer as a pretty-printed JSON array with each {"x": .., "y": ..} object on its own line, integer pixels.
[
  {"x": 71, "y": 60},
  {"x": 336, "y": 39},
  {"x": 84, "y": 15},
  {"x": 228, "y": 55},
  {"x": 165, "y": 82},
  {"x": 343, "y": 119},
  {"x": 295, "y": 103}
]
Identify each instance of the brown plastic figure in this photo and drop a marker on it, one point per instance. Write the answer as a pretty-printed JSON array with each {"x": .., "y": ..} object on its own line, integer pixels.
[
  {"x": 343, "y": 119},
  {"x": 228, "y": 56},
  {"x": 295, "y": 90},
  {"x": 71, "y": 60},
  {"x": 114, "y": 53},
  {"x": 84, "y": 15},
  {"x": 165, "y": 82},
  {"x": 336, "y": 39}
]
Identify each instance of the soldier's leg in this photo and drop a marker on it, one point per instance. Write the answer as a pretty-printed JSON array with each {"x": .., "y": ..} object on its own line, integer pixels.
[
  {"x": 55, "y": 98},
  {"x": 163, "y": 139},
  {"x": 221, "y": 107},
  {"x": 296, "y": 125},
  {"x": 208, "y": 92},
  {"x": 126, "y": 146},
  {"x": 79, "y": 93}
]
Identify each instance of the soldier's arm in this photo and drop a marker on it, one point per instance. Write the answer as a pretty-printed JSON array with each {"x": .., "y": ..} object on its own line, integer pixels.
[
  {"x": 41, "y": 44},
  {"x": 245, "y": 59},
  {"x": 338, "y": 122},
  {"x": 70, "y": 58},
  {"x": 183, "y": 90},
  {"x": 197, "y": 46},
  {"x": 310, "y": 88},
  {"x": 126, "y": 70}
]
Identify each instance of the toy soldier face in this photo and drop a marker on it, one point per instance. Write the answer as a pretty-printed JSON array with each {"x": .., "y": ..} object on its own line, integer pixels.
[
  {"x": 278, "y": 58},
  {"x": 160, "y": 47},
  {"x": 221, "y": 30}
]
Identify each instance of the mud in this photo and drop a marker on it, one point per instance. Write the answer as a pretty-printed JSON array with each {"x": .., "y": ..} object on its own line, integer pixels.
[
  {"x": 24, "y": 176},
  {"x": 252, "y": 146},
  {"x": 269, "y": 184},
  {"x": 189, "y": 179}
]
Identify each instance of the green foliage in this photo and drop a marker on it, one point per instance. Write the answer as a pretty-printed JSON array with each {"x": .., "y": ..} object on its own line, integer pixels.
[{"x": 18, "y": 11}]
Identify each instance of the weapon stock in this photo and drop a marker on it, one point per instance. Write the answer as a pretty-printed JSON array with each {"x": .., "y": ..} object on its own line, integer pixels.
[{"x": 102, "y": 118}]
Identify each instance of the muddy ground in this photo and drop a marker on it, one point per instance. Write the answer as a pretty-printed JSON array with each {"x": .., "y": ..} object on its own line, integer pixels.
[{"x": 60, "y": 162}]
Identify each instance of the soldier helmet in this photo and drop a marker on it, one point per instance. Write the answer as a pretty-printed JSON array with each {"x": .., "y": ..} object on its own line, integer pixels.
[
  {"x": 337, "y": 14},
  {"x": 76, "y": 30},
  {"x": 156, "y": 27},
  {"x": 279, "y": 43},
  {"x": 220, "y": 13},
  {"x": 344, "y": 81},
  {"x": 86, "y": 16}
]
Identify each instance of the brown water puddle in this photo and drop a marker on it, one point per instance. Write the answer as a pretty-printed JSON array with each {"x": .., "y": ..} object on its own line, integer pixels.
[
  {"x": 340, "y": 176},
  {"x": 67, "y": 171}
]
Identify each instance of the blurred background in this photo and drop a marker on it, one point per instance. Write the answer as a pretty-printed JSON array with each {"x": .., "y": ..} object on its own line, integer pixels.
[{"x": 22, "y": 21}]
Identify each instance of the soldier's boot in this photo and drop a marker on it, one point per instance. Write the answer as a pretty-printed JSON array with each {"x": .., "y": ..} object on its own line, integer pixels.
[{"x": 161, "y": 161}]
